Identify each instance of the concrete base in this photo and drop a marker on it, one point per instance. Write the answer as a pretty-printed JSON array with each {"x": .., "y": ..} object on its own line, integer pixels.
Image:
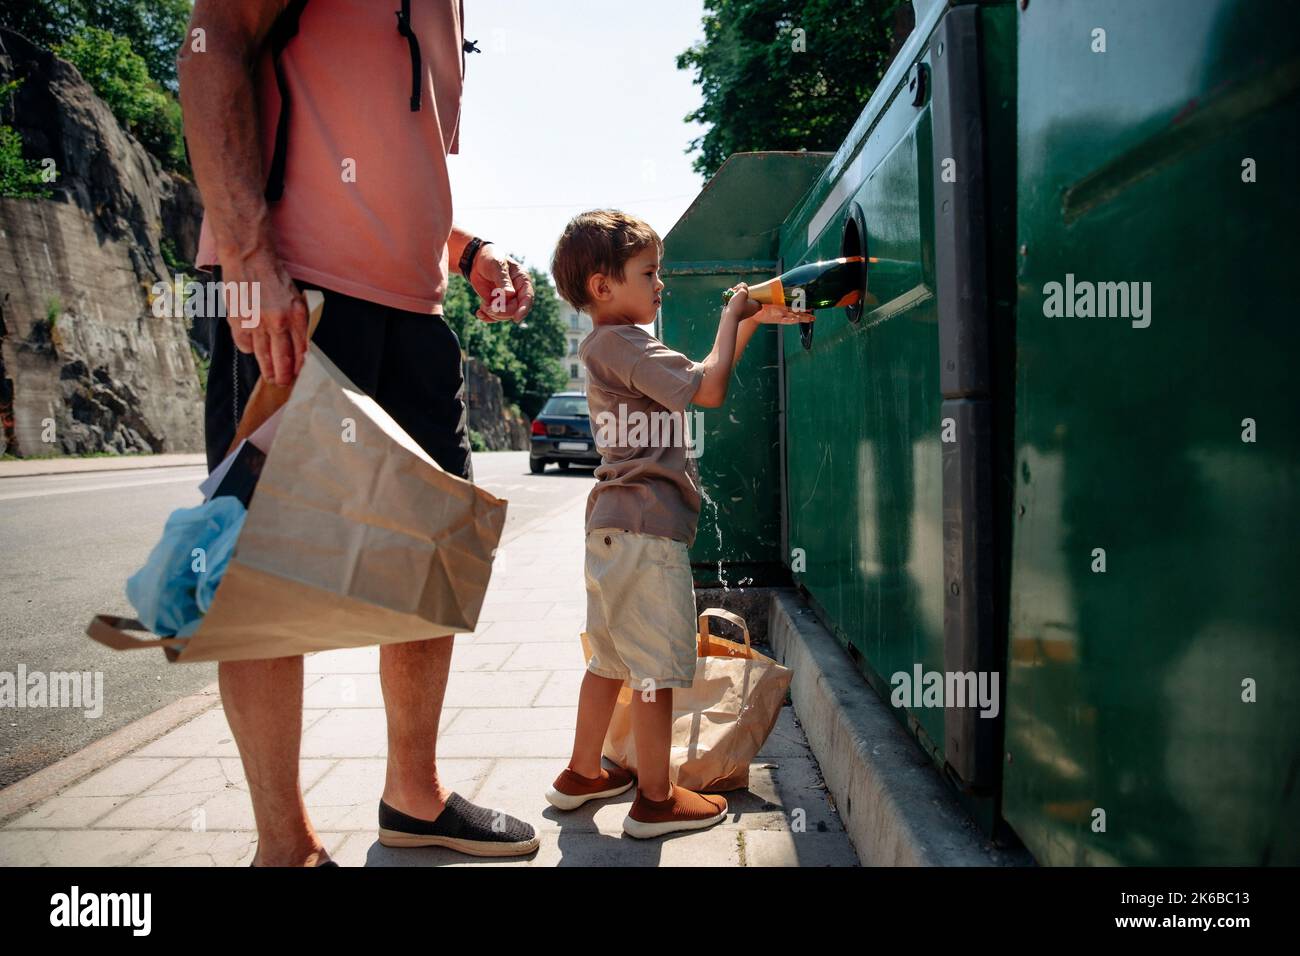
[{"x": 893, "y": 803}]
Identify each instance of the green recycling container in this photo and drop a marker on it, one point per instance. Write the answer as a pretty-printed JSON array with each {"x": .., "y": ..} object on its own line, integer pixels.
[{"x": 1051, "y": 449}]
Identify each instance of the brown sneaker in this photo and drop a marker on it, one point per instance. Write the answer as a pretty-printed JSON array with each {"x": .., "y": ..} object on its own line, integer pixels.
[
  {"x": 683, "y": 810},
  {"x": 571, "y": 791}
]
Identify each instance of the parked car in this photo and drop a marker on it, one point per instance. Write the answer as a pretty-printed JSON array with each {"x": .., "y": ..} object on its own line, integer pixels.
[{"x": 562, "y": 434}]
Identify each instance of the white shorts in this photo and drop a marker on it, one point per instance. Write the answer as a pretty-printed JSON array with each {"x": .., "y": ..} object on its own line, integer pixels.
[{"x": 641, "y": 622}]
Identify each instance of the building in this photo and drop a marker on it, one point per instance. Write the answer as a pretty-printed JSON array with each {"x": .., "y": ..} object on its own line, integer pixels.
[{"x": 576, "y": 326}]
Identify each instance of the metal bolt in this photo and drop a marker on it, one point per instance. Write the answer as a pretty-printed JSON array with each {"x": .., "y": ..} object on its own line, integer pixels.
[
  {"x": 955, "y": 588},
  {"x": 1024, "y": 250},
  {"x": 1021, "y": 511},
  {"x": 1024, "y": 4}
]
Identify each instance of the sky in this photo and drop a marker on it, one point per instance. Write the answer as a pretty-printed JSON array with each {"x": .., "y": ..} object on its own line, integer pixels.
[{"x": 574, "y": 105}]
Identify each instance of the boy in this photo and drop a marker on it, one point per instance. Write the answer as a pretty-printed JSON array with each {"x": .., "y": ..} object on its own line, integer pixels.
[{"x": 642, "y": 513}]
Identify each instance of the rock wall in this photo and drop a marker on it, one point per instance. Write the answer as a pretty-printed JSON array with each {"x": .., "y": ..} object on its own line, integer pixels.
[
  {"x": 500, "y": 427},
  {"x": 80, "y": 348}
]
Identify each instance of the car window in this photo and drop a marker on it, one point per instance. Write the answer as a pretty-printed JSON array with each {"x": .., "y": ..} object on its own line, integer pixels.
[{"x": 571, "y": 406}]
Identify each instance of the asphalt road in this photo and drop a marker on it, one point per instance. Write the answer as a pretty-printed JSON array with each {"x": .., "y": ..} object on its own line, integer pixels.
[{"x": 68, "y": 542}]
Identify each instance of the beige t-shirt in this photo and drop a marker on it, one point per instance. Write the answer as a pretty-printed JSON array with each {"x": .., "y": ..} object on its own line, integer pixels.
[{"x": 638, "y": 390}]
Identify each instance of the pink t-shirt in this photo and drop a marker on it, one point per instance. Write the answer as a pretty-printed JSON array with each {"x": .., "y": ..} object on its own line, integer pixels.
[{"x": 366, "y": 209}]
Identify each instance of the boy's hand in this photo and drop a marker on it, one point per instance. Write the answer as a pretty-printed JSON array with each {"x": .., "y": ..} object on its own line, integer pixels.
[
  {"x": 741, "y": 307},
  {"x": 780, "y": 315}
]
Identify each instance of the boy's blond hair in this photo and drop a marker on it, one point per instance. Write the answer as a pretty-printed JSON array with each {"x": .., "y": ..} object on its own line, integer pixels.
[{"x": 597, "y": 241}]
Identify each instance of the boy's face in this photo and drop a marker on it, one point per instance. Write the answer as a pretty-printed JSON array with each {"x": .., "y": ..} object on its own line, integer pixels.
[{"x": 637, "y": 298}]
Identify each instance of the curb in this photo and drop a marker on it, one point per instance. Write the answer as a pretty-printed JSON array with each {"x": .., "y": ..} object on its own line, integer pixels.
[
  {"x": 32, "y": 467},
  {"x": 48, "y": 781},
  {"x": 895, "y": 807}
]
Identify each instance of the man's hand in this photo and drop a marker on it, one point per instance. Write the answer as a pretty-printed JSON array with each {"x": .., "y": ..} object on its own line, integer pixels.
[
  {"x": 504, "y": 286},
  {"x": 276, "y": 332}
]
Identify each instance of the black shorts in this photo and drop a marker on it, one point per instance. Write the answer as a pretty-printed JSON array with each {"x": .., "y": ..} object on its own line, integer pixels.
[{"x": 408, "y": 362}]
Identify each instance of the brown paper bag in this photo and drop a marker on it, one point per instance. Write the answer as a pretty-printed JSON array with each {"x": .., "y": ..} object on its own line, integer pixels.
[
  {"x": 346, "y": 543},
  {"x": 720, "y": 721}
]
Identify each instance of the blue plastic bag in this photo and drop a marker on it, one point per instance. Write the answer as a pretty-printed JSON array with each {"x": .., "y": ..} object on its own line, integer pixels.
[{"x": 174, "y": 589}]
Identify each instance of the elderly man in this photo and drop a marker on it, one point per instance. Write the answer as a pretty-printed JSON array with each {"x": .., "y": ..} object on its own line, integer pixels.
[{"x": 318, "y": 133}]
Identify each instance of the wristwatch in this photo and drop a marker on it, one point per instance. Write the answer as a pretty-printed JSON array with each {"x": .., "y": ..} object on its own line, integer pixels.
[{"x": 471, "y": 250}]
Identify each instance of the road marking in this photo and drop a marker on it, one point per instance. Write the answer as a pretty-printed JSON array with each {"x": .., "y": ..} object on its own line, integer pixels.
[{"x": 108, "y": 486}]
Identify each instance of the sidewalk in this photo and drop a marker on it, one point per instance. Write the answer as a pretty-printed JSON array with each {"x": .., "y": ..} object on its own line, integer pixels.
[
  {"x": 25, "y": 467},
  {"x": 507, "y": 729}
]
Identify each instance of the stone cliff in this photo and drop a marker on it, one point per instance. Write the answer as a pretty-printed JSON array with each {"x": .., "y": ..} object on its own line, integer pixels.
[
  {"x": 488, "y": 415},
  {"x": 84, "y": 364}
]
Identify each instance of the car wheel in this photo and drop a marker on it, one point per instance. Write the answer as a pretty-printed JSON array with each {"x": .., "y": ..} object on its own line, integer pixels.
[{"x": 537, "y": 465}]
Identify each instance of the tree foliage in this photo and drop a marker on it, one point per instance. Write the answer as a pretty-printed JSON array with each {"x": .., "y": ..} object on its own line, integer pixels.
[
  {"x": 767, "y": 86},
  {"x": 155, "y": 28},
  {"x": 19, "y": 178},
  {"x": 526, "y": 357},
  {"x": 120, "y": 77}
]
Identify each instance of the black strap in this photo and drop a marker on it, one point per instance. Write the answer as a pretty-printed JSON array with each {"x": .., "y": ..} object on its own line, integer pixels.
[
  {"x": 283, "y": 30},
  {"x": 404, "y": 28}
]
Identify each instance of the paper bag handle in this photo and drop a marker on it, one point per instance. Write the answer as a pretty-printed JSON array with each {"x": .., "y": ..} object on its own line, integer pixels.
[
  {"x": 267, "y": 398},
  {"x": 111, "y": 631},
  {"x": 725, "y": 615}
]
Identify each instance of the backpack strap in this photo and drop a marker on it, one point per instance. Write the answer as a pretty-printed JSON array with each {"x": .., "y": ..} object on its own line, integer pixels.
[
  {"x": 404, "y": 28},
  {"x": 283, "y": 30}
]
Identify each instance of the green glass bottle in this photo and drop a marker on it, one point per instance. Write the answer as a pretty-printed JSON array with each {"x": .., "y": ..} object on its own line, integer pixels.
[{"x": 817, "y": 285}]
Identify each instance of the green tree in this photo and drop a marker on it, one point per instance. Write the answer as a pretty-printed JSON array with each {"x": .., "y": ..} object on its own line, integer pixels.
[
  {"x": 539, "y": 344},
  {"x": 119, "y": 75},
  {"x": 767, "y": 86},
  {"x": 154, "y": 27},
  {"x": 19, "y": 178},
  {"x": 526, "y": 357}
]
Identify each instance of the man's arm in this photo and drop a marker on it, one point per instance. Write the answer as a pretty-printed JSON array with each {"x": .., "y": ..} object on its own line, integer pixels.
[
  {"x": 504, "y": 285},
  {"x": 219, "y": 104}
]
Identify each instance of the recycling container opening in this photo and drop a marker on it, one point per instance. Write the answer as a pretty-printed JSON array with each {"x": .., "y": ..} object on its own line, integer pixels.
[{"x": 853, "y": 242}]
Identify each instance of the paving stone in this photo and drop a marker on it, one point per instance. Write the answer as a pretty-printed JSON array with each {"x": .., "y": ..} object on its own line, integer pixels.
[
  {"x": 492, "y": 689},
  {"x": 561, "y": 687},
  {"x": 74, "y": 847}
]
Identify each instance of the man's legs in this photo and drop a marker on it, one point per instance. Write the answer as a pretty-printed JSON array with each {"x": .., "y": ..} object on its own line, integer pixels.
[
  {"x": 262, "y": 698},
  {"x": 413, "y": 677},
  {"x": 420, "y": 383},
  {"x": 263, "y": 703}
]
